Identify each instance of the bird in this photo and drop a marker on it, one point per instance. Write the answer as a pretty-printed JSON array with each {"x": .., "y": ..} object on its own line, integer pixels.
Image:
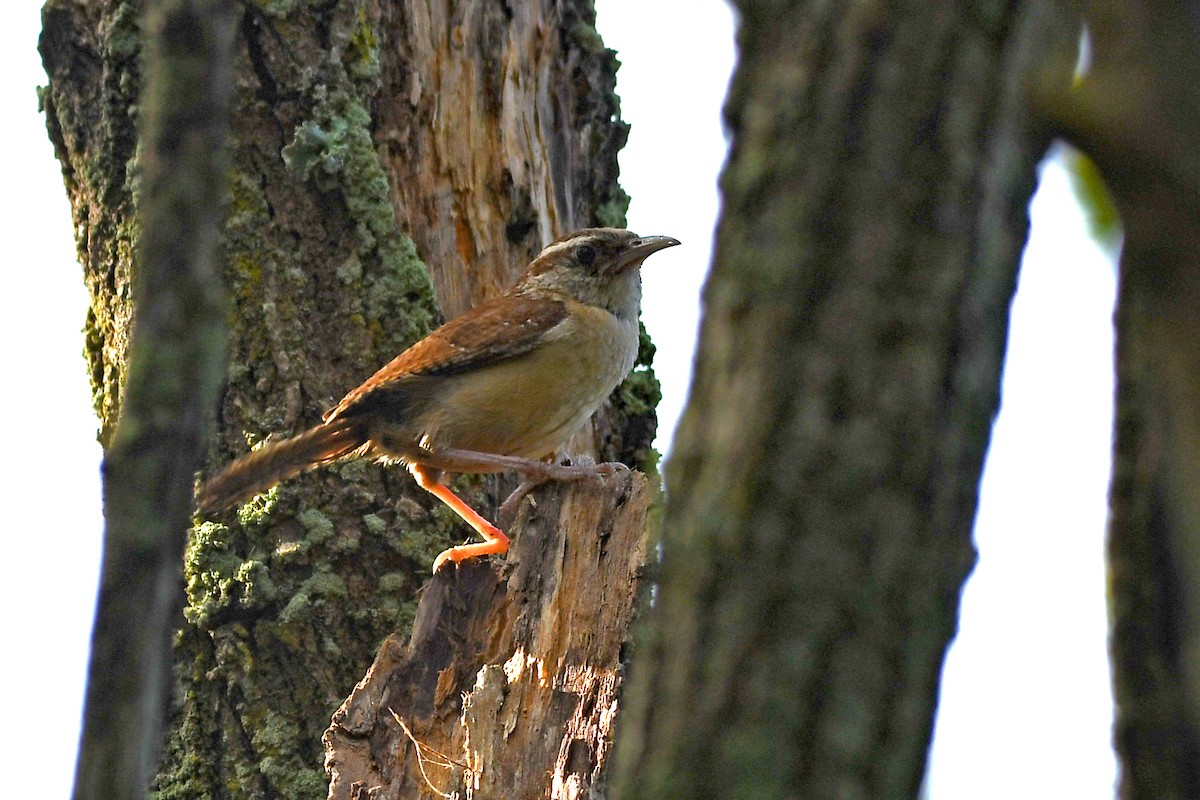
[{"x": 500, "y": 387}]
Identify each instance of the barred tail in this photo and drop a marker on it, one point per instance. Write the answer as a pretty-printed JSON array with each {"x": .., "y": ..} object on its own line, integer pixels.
[{"x": 261, "y": 469}]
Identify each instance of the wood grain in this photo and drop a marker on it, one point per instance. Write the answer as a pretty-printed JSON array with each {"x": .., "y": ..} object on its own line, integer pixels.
[{"x": 513, "y": 667}]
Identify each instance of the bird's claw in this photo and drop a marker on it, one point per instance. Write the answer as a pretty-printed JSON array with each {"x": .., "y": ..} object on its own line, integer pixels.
[
  {"x": 443, "y": 557},
  {"x": 574, "y": 472},
  {"x": 607, "y": 469}
]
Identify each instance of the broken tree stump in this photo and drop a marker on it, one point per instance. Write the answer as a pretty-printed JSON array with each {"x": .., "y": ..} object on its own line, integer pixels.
[{"x": 507, "y": 686}]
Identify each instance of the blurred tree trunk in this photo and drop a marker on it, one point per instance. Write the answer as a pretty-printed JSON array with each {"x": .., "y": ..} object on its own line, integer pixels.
[
  {"x": 383, "y": 154},
  {"x": 823, "y": 483},
  {"x": 174, "y": 373},
  {"x": 1137, "y": 115}
]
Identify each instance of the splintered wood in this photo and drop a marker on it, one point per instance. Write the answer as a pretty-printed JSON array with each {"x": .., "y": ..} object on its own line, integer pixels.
[{"x": 507, "y": 687}]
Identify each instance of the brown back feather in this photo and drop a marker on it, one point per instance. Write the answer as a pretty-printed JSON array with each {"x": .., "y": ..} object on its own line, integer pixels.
[{"x": 495, "y": 330}]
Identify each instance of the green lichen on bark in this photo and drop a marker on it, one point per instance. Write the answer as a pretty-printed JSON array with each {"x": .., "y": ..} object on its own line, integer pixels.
[
  {"x": 636, "y": 401},
  {"x": 289, "y": 597},
  {"x": 334, "y": 148},
  {"x": 94, "y": 136},
  {"x": 276, "y": 617},
  {"x": 362, "y": 55},
  {"x": 611, "y": 214}
]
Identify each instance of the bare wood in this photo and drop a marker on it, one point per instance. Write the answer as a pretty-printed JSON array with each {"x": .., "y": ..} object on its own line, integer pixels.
[
  {"x": 465, "y": 79},
  {"x": 513, "y": 668}
]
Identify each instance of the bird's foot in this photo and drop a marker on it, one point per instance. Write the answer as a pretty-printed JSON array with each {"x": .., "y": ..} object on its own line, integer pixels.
[{"x": 572, "y": 471}]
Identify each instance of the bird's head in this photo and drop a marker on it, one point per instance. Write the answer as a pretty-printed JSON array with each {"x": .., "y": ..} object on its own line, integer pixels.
[{"x": 597, "y": 266}]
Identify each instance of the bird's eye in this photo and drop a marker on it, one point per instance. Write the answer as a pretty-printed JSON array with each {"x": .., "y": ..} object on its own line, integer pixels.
[{"x": 586, "y": 255}]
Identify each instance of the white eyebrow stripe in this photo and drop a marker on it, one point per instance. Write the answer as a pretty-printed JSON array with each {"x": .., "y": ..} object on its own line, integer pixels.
[{"x": 559, "y": 246}]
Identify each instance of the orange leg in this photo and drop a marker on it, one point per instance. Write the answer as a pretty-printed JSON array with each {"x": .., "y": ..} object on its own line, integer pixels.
[{"x": 496, "y": 542}]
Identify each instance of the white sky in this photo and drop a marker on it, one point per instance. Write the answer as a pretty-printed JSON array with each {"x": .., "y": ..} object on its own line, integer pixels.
[{"x": 1026, "y": 708}]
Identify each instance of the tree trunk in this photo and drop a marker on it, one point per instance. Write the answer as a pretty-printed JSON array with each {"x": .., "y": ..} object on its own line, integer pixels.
[
  {"x": 823, "y": 483},
  {"x": 381, "y": 150},
  {"x": 1136, "y": 114},
  {"x": 173, "y": 377}
]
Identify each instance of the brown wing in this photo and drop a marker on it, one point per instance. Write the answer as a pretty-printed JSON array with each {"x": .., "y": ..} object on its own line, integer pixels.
[{"x": 494, "y": 330}]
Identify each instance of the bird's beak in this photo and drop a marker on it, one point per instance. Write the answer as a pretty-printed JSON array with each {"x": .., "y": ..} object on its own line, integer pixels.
[{"x": 637, "y": 250}]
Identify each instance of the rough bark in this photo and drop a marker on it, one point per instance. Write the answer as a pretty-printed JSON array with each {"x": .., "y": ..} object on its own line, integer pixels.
[
  {"x": 817, "y": 537},
  {"x": 173, "y": 376},
  {"x": 90, "y": 53},
  {"x": 1136, "y": 114},
  {"x": 380, "y": 149}
]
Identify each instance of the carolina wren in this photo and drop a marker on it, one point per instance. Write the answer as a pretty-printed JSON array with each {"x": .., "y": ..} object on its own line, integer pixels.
[{"x": 501, "y": 387}]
